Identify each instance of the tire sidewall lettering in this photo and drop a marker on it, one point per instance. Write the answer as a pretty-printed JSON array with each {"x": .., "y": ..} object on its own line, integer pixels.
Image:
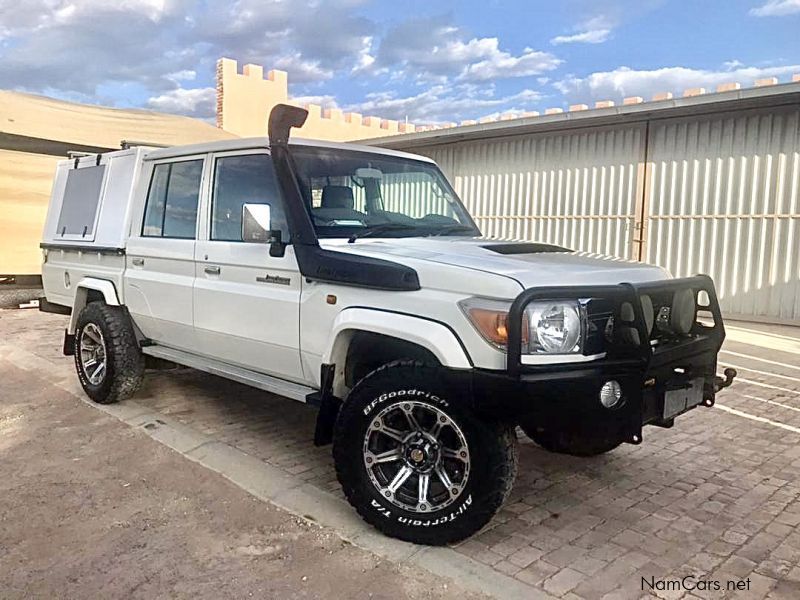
[
  {"x": 422, "y": 522},
  {"x": 401, "y": 393}
]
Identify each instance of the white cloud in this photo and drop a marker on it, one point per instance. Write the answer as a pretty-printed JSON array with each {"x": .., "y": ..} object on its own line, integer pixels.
[
  {"x": 731, "y": 65},
  {"x": 433, "y": 50},
  {"x": 74, "y": 47},
  {"x": 34, "y": 15},
  {"x": 198, "y": 102},
  {"x": 184, "y": 75},
  {"x": 592, "y": 36},
  {"x": 302, "y": 70},
  {"x": 155, "y": 44},
  {"x": 317, "y": 37},
  {"x": 497, "y": 64},
  {"x": 776, "y": 8},
  {"x": 365, "y": 58},
  {"x": 324, "y": 100},
  {"x": 625, "y": 81},
  {"x": 444, "y": 103}
]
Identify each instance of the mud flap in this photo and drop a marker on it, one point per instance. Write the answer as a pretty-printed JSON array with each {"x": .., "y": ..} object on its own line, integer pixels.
[
  {"x": 329, "y": 406},
  {"x": 69, "y": 344}
]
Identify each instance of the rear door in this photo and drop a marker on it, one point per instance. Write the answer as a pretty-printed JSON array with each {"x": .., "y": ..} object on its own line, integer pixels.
[
  {"x": 246, "y": 302},
  {"x": 159, "y": 277}
]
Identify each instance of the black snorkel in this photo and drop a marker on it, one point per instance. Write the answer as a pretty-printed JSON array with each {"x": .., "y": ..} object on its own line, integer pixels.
[{"x": 316, "y": 263}]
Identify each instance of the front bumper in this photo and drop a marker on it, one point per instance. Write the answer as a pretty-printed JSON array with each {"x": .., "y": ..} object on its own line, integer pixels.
[{"x": 662, "y": 374}]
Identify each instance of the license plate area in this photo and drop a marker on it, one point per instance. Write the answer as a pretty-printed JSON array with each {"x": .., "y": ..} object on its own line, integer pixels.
[{"x": 680, "y": 400}]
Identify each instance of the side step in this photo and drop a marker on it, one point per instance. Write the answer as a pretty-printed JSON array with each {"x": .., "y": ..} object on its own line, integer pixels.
[{"x": 295, "y": 391}]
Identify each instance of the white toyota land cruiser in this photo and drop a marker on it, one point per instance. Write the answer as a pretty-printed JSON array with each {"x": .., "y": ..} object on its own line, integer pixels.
[{"x": 353, "y": 278}]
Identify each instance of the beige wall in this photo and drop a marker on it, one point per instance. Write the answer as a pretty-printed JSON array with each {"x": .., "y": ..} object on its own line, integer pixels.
[
  {"x": 244, "y": 101},
  {"x": 84, "y": 124},
  {"x": 25, "y": 181},
  {"x": 26, "y": 178}
]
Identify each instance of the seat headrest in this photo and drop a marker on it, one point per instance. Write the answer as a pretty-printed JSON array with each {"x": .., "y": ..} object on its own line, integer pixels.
[{"x": 338, "y": 196}]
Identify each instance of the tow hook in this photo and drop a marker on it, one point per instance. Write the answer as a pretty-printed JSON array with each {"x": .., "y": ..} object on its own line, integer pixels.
[{"x": 721, "y": 383}]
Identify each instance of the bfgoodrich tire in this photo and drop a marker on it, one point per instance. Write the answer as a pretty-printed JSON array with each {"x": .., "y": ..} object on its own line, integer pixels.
[
  {"x": 415, "y": 462},
  {"x": 107, "y": 357}
]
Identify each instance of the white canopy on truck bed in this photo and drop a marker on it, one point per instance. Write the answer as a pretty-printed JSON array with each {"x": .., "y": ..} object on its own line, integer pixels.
[{"x": 91, "y": 200}]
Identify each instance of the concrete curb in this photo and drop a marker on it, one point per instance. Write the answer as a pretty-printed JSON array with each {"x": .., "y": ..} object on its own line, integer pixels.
[{"x": 291, "y": 493}]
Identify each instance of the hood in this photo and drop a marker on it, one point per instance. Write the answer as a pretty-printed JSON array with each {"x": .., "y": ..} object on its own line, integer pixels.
[{"x": 530, "y": 264}]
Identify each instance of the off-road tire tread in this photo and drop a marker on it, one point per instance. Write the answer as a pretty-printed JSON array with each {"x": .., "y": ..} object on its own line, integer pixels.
[
  {"x": 581, "y": 448},
  {"x": 502, "y": 458},
  {"x": 125, "y": 368}
]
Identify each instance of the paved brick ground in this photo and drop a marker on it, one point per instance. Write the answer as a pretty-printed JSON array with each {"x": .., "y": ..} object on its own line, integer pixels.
[{"x": 717, "y": 497}]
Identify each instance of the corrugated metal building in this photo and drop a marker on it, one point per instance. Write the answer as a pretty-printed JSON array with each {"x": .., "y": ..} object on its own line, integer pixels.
[{"x": 700, "y": 184}]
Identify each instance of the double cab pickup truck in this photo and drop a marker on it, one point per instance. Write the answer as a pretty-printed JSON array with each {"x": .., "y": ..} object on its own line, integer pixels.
[{"x": 352, "y": 278}]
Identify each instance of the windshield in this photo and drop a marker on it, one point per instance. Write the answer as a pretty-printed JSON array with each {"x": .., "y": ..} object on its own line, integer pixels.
[{"x": 355, "y": 194}]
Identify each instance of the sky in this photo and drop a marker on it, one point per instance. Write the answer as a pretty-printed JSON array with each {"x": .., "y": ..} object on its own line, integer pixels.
[{"x": 425, "y": 61}]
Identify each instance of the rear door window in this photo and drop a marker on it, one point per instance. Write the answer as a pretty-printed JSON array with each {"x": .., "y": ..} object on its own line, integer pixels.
[{"x": 172, "y": 200}]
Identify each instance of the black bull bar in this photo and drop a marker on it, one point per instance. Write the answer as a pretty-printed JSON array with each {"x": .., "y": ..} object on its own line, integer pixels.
[{"x": 637, "y": 342}]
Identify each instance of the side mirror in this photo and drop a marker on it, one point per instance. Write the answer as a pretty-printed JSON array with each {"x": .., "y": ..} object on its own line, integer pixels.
[
  {"x": 256, "y": 223},
  {"x": 256, "y": 228}
]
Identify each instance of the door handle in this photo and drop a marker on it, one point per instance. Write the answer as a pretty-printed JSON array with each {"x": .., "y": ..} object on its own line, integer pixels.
[
  {"x": 212, "y": 270},
  {"x": 137, "y": 262}
]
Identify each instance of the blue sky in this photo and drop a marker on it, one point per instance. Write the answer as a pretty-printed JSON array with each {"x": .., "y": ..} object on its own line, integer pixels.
[{"x": 428, "y": 61}]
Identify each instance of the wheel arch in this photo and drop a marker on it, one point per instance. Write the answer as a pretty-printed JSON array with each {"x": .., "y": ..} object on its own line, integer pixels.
[
  {"x": 88, "y": 290},
  {"x": 426, "y": 340},
  {"x": 395, "y": 336}
]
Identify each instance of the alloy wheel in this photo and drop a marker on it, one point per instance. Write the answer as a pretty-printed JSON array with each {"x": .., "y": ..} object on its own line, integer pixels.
[
  {"x": 93, "y": 353},
  {"x": 416, "y": 456}
]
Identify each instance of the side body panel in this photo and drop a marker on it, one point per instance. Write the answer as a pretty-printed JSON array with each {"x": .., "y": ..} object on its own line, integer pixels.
[
  {"x": 159, "y": 275},
  {"x": 64, "y": 268},
  {"x": 247, "y": 307}
]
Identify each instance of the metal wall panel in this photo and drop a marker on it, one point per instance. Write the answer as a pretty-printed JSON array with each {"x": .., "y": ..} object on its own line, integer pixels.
[
  {"x": 577, "y": 188},
  {"x": 722, "y": 199},
  {"x": 413, "y": 194},
  {"x": 715, "y": 193}
]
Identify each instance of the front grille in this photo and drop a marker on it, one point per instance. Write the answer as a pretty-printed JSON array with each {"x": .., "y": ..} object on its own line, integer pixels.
[
  {"x": 664, "y": 324},
  {"x": 598, "y": 313}
]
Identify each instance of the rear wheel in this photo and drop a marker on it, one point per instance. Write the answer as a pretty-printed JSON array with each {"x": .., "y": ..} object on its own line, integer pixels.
[
  {"x": 107, "y": 357},
  {"x": 415, "y": 462},
  {"x": 577, "y": 441}
]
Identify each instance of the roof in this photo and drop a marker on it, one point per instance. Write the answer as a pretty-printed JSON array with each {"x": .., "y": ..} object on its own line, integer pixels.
[
  {"x": 38, "y": 124},
  {"x": 776, "y": 95},
  {"x": 263, "y": 142}
]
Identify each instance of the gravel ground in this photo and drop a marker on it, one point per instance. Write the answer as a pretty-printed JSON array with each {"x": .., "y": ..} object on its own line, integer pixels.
[
  {"x": 13, "y": 297},
  {"x": 92, "y": 508}
]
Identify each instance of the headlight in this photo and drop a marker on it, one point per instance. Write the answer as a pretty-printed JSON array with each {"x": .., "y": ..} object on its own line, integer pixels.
[
  {"x": 555, "y": 327},
  {"x": 548, "y": 327}
]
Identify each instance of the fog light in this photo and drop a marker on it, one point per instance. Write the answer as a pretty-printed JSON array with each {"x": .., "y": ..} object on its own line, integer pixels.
[{"x": 610, "y": 394}]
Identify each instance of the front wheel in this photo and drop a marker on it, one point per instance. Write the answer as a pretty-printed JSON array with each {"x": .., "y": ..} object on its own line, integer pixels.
[{"x": 415, "y": 462}]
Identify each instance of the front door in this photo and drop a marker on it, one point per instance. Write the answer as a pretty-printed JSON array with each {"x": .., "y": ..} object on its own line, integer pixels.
[{"x": 246, "y": 302}]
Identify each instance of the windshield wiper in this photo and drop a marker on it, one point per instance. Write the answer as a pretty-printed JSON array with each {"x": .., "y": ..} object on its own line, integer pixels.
[
  {"x": 445, "y": 229},
  {"x": 371, "y": 230}
]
